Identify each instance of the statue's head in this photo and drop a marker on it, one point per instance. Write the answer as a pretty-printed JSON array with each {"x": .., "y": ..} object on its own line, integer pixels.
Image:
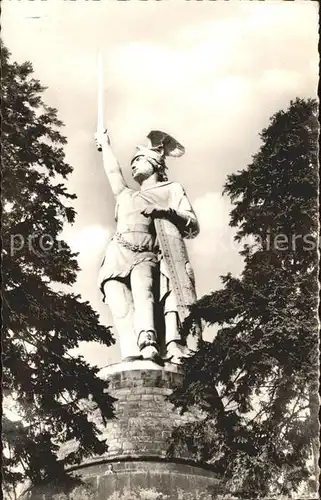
[{"x": 150, "y": 159}]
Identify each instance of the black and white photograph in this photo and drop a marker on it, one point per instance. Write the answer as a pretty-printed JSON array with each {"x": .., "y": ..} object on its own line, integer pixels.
[{"x": 160, "y": 250}]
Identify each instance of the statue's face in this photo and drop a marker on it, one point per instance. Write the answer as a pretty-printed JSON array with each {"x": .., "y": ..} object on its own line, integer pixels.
[{"x": 141, "y": 169}]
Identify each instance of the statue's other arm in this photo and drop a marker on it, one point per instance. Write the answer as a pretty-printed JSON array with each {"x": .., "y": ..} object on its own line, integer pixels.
[
  {"x": 111, "y": 165},
  {"x": 179, "y": 211},
  {"x": 183, "y": 213}
]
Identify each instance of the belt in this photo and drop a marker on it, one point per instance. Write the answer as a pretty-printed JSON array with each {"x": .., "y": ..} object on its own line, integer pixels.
[{"x": 132, "y": 246}]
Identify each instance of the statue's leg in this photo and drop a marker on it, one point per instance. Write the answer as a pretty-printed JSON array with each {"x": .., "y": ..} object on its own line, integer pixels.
[
  {"x": 142, "y": 285},
  {"x": 175, "y": 346},
  {"x": 120, "y": 302},
  {"x": 171, "y": 327}
]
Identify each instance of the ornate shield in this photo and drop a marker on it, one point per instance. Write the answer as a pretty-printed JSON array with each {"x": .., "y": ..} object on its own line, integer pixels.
[{"x": 178, "y": 266}]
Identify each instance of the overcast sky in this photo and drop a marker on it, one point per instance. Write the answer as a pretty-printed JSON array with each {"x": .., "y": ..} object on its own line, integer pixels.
[{"x": 210, "y": 73}]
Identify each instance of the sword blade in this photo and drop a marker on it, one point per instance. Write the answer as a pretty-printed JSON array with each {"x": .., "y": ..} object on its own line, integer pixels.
[{"x": 100, "y": 118}]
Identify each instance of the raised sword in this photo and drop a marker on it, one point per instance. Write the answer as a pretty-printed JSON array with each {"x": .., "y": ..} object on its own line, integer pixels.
[{"x": 100, "y": 118}]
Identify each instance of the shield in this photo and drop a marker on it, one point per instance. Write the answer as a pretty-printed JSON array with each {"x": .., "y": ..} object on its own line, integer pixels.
[{"x": 180, "y": 272}]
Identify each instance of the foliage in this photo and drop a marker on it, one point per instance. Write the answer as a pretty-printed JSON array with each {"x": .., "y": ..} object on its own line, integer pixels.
[
  {"x": 45, "y": 386},
  {"x": 258, "y": 380},
  {"x": 84, "y": 492},
  {"x": 140, "y": 494},
  {"x": 153, "y": 494}
]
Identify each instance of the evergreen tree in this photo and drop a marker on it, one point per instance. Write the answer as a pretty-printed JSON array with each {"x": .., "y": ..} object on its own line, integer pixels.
[
  {"x": 46, "y": 386},
  {"x": 257, "y": 382}
]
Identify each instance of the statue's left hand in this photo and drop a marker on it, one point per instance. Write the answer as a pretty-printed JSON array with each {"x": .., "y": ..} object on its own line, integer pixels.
[{"x": 155, "y": 211}]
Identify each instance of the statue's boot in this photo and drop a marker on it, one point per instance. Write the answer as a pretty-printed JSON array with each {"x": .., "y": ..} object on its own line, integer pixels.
[
  {"x": 148, "y": 346},
  {"x": 175, "y": 350},
  {"x": 151, "y": 353}
]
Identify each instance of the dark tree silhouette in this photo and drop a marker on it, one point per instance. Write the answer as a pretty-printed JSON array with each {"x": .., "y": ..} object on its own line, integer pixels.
[
  {"x": 46, "y": 386},
  {"x": 257, "y": 382}
]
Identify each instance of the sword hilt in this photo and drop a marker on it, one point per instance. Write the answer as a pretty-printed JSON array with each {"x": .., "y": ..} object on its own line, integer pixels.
[{"x": 99, "y": 146}]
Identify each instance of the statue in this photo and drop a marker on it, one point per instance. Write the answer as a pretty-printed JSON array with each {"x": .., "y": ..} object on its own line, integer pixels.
[{"x": 146, "y": 278}]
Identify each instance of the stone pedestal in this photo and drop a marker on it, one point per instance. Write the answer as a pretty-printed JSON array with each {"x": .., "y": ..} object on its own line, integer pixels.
[
  {"x": 138, "y": 440},
  {"x": 138, "y": 437},
  {"x": 145, "y": 419},
  {"x": 163, "y": 479}
]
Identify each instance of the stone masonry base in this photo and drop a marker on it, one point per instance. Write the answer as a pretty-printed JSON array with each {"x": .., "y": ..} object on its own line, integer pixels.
[{"x": 138, "y": 440}]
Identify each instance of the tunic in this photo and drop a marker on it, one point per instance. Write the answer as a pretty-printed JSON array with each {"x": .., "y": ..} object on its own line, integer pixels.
[{"x": 137, "y": 230}]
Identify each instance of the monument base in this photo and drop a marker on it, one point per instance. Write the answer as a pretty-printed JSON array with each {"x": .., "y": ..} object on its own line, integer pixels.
[
  {"x": 163, "y": 479},
  {"x": 138, "y": 439}
]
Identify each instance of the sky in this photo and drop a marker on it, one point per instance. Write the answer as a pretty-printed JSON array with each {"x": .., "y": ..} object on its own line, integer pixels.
[{"x": 209, "y": 73}]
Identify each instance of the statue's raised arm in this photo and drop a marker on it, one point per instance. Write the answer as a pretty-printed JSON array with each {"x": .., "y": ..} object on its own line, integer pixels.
[{"x": 111, "y": 165}]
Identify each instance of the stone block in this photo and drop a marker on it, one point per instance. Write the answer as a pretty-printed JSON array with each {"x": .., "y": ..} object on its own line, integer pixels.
[{"x": 147, "y": 397}]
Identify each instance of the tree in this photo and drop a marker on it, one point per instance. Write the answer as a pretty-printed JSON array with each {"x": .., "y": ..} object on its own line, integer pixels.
[
  {"x": 257, "y": 382},
  {"x": 45, "y": 385}
]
